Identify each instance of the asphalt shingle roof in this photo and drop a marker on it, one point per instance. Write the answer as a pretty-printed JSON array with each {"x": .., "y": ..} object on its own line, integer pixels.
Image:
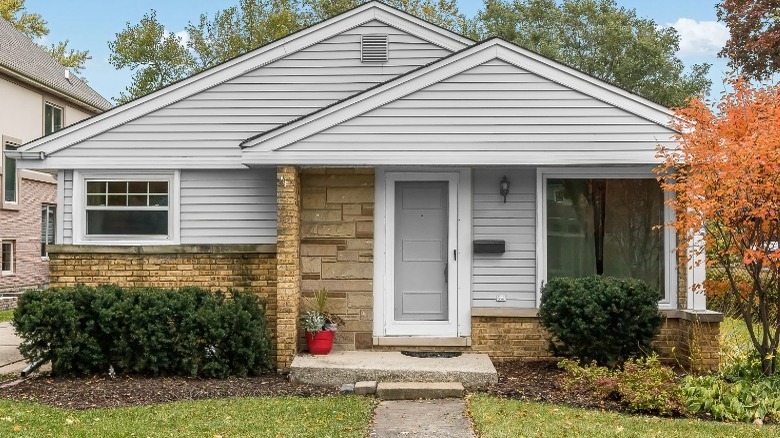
[{"x": 20, "y": 54}]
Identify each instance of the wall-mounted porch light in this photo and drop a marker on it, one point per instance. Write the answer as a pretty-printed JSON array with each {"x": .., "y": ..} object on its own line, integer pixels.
[{"x": 504, "y": 188}]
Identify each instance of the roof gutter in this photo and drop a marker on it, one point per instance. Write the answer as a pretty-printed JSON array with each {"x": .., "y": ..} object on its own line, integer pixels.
[
  {"x": 25, "y": 155},
  {"x": 19, "y": 76}
]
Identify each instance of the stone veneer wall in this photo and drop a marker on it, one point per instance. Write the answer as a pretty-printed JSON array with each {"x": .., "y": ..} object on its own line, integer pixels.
[
  {"x": 249, "y": 268},
  {"x": 337, "y": 241}
]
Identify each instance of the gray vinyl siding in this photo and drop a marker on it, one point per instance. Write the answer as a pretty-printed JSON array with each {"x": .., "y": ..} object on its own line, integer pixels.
[
  {"x": 205, "y": 130},
  {"x": 495, "y": 108},
  {"x": 228, "y": 206},
  {"x": 513, "y": 273},
  {"x": 67, "y": 207}
]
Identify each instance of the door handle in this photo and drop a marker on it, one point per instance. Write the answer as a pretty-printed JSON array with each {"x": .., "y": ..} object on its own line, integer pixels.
[{"x": 446, "y": 277}]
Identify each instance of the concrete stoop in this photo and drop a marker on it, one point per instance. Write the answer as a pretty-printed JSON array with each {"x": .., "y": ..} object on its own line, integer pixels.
[{"x": 471, "y": 370}]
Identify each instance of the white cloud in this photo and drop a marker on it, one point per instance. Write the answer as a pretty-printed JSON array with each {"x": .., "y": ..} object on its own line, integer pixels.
[
  {"x": 185, "y": 37},
  {"x": 700, "y": 38},
  {"x": 182, "y": 35}
]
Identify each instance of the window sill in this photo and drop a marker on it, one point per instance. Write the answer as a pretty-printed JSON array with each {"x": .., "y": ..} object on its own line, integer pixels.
[
  {"x": 689, "y": 315},
  {"x": 11, "y": 206},
  {"x": 7, "y": 274}
]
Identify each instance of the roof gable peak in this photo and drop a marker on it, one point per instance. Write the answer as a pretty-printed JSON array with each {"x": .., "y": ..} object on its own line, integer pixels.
[{"x": 242, "y": 64}]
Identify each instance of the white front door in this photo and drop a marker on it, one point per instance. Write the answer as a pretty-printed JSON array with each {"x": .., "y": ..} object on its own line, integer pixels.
[{"x": 421, "y": 264}]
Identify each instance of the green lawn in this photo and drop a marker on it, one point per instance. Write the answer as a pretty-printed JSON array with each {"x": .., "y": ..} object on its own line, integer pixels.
[
  {"x": 498, "y": 417},
  {"x": 6, "y": 315},
  {"x": 236, "y": 417}
]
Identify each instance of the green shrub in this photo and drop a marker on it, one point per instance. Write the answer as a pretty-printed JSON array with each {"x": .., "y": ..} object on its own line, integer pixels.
[
  {"x": 602, "y": 319},
  {"x": 642, "y": 385},
  {"x": 740, "y": 392},
  {"x": 189, "y": 332}
]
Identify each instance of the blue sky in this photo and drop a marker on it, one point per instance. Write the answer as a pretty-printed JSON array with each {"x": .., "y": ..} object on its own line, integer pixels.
[{"x": 90, "y": 24}]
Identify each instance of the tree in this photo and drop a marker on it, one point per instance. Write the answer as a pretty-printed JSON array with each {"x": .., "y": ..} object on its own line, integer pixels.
[
  {"x": 156, "y": 58},
  {"x": 603, "y": 40},
  {"x": 726, "y": 177},
  {"x": 34, "y": 26},
  {"x": 157, "y": 62},
  {"x": 754, "y": 43}
]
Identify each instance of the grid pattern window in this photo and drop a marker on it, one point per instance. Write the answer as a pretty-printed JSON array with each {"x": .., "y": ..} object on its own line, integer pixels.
[
  {"x": 52, "y": 118},
  {"x": 10, "y": 177},
  {"x": 127, "y": 208},
  {"x": 7, "y": 254},
  {"x": 48, "y": 227}
]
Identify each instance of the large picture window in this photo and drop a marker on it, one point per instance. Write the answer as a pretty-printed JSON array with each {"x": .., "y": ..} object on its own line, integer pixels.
[
  {"x": 127, "y": 208},
  {"x": 610, "y": 227}
]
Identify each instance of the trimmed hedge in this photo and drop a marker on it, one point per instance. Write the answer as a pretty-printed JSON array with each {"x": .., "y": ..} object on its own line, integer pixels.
[
  {"x": 603, "y": 319},
  {"x": 150, "y": 331}
]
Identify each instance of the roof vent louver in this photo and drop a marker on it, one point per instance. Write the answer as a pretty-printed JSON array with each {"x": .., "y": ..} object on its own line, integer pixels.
[{"x": 374, "y": 48}]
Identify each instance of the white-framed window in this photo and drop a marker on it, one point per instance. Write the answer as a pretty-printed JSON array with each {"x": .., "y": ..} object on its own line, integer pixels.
[
  {"x": 126, "y": 208},
  {"x": 606, "y": 221},
  {"x": 52, "y": 118},
  {"x": 10, "y": 175},
  {"x": 48, "y": 227},
  {"x": 7, "y": 257}
]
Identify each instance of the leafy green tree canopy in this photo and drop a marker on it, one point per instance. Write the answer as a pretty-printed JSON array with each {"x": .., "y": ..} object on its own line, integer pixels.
[
  {"x": 603, "y": 40},
  {"x": 34, "y": 26}
]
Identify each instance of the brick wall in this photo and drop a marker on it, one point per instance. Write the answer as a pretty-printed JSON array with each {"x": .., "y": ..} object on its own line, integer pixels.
[
  {"x": 23, "y": 226},
  {"x": 288, "y": 195},
  {"x": 249, "y": 268},
  {"x": 337, "y": 240},
  {"x": 683, "y": 340}
]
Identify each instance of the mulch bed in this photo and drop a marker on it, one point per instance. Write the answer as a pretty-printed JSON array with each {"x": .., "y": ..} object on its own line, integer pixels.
[
  {"x": 105, "y": 392},
  {"x": 543, "y": 381},
  {"x": 539, "y": 381}
]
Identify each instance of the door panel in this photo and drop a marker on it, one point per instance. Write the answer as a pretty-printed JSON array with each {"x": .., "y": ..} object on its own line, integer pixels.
[{"x": 421, "y": 251}]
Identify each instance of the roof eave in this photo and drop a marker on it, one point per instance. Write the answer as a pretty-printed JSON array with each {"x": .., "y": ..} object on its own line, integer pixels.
[{"x": 61, "y": 94}]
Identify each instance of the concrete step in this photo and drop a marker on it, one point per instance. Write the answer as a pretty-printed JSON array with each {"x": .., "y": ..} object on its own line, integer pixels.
[
  {"x": 418, "y": 390},
  {"x": 472, "y": 370}
]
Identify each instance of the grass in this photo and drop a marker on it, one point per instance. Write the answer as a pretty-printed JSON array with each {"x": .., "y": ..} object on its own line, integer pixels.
[
  {"x": 233, "y": 417},
  {"x": 499, "y": 417},
  {"x": 6, "y": 315}
]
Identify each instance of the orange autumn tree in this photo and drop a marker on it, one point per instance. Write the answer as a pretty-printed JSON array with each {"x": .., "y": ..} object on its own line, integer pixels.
[{"x": 726, "y": 177}]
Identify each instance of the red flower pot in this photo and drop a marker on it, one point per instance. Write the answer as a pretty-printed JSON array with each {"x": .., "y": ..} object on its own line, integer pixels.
[{"x": 320, "y": 342}]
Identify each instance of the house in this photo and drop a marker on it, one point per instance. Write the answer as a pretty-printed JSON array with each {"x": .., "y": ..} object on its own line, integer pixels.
[
  {"x": 38, "y": 96},
  {"x": 429, "y": 183}
]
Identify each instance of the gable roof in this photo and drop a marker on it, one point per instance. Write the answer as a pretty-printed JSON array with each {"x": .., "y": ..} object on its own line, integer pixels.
[
  {"x": 279, "y": 138},
  {"x": 235, "y": 67},
  {"x": 21, "y": 57}
]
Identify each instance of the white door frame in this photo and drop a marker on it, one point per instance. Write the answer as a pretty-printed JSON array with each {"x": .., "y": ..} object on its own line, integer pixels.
[{"x": 459, "y": 271}]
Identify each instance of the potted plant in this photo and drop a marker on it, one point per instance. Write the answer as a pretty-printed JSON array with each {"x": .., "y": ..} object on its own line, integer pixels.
[{"x": 320, "y": 325}]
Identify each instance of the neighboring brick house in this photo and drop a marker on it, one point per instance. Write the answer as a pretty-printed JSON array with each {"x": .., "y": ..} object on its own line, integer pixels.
[
  {"x": 429, "y": 183},
  {"x": 37, "y": 97}
]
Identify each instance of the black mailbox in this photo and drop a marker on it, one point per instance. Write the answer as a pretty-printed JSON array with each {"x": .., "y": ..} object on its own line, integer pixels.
[{"x": 489, "y": 247}]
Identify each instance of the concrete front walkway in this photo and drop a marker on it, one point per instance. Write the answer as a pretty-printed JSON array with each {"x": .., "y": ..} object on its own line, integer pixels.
[
  {"x": 10, "y": 359},
  {"x": 422, "y": 418}
]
